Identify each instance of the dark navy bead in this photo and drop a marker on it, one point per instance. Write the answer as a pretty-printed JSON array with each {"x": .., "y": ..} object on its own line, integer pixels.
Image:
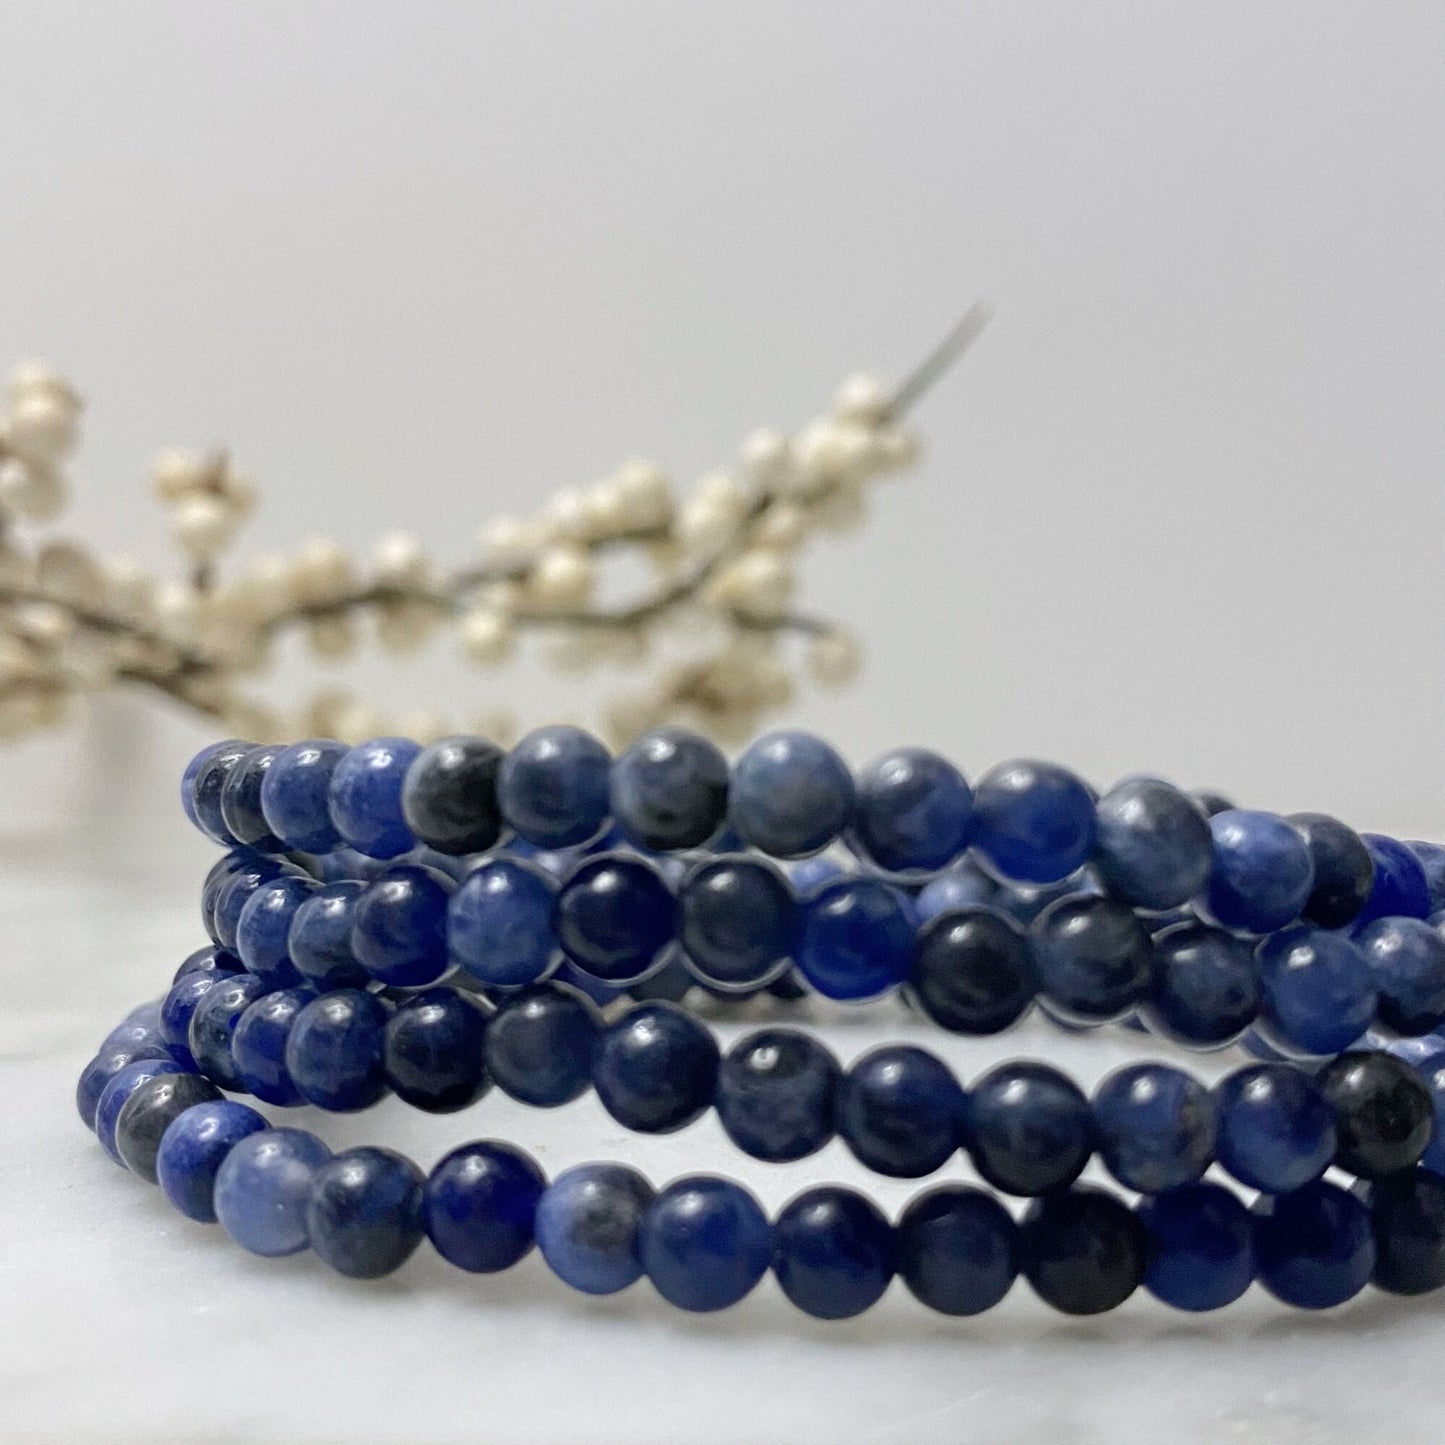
[
  {"x": 1276, "y": 1129},
  {"x": 190, "y": 780},
  {"x": 670, "y": 790},
  {"x": 1094, "y": 958},
  {"x": 589, "y": 1226},
  {"x": 1028, "y": 1128},
  {"x": 898, "y": 1111},
  {"x": 364, "y": 1214},
  {"x": 1154, "y": 848},
  {"x": 973, "y": 971},
  {"x": 449, "y": 799},
  {"x": 365, "y": 797},
  {"x": 857, "y": 939},
  {"x": 259, "y": 1045},
  {"x": 776, "y": 1094},
  {"x": 237, "y": 890},
  {"x": 1211, "y": 801},
  {"x": 1400, "y": 889},
  {"x": 320, "y": 938},
  {"x": 296, "y": 793},
  {"x": 210, "y": 959},
  {"x": 540, "y": 1045},
  {"x": 176, "y": 1010},
  {"x": 1033, "y": 821},
  {"x": 118, "y": 1088},
  {"x": 1432, "y": 1074},
  {"x": 1407, "y": 1213},
  {"x": 791, "y": 794},
  {"x": 334, "y": 1052},
  {"x": 1082, "y": 1250},
  {"x": 213, "y": 1024},
  {"x": 1203, "y": 988},
  {"x": 1406, "y": 957},
  {"x": 104, "y": 1067},
  {"x": 614, "y": 917},
  {"x": 149, "y": 1108},
  {"x": 208, "y": 784},
  {"x": 553, "y": 787},
  {"x": 1155, "y": 1127},
  {"x": 1344, "y": 872},
  {"x": 1431, "y": 858},
  {"x": 435, "y": 1051},
  {"x": 913, "y": 813},
  {"x": 263, "y": 930},
  {"x": 1383, "y": 1112},
  {"x": 263, "y": 1188},
  {"x": 479, "y": 1206},
  {"x": 833, "y": 1252},
  {"x": 1200, "y": 1247},
  {"x": 737, "y": 921},
  {"x": 705, "y": 1243},
  {"x": 217, "y": 876},
  {"x": 1262, "y": 875},
  {"x": 399, "y": 925},
  {"x": 500, "y": 925},
  {"x": 957, "y": 1249},
  {"x": 655, "y": 1068},
  {"x": 241, "y": 800},
  {"x": 1315, "y": 1247},
  {"x": 192, "y": 1150},
  {"x": 1318, "y": 994}
]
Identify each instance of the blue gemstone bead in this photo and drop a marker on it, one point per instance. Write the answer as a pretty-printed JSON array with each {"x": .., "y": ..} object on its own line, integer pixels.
[
  {"x": 259, "y": 1045},
  {"x": 237, "y": 890},
  {"x": 335, "y": 1050},
  {"x": 319, "y": 942},
  {"x": 1203, "y": 990},
  {"x": 540, "y": 1044},
  {"x": 119, "y": 1087},
  {"x": 500, "y": 923},
  {"x": 435, "y": 1051},
  {"x": 1318, "y": 993},
  {"x": 737, "y": 921},
  {"x": 104, "y": 1067},
  {"x": 553, "y": 787},
  {"x": 589, "y": 1226},
  {"x": 957, "y": 1249},
  {"x": 1315, "y": 1246},
  {"x": 913, "y": 813},
  {"x": 1154, "y": 848},
  {"x": 190, "y": 780},
  {"x": 296, "y": 795},
  {"x": 364, "y": 1217},
  {"x": 791, "y": 794},
  {"x": 1082, "y": 1250},
  {"x": 192, "y": 1150},
  {"x": 1406, "y": 957},
  {"x": 264, "y": 1186},
  {"x": 973, "y": 971},
  {"x": 1034, "y": 821},
  {"x": 201, "y": 796},
  {"x": 1407, "y": 1215},
  {"x": 176, "y": 1011},
  {"x": 217, "y": 876},
  {"x": 1384, "y": 1112},
  {"x": 449, "y": 800},
  {"x": 1344, "y": 871},
  {"x": 614, "y": 917},
  {"x": 833, "y": 1252},
  {"x": 213, "y": 1025},
  {"x": 1200, "y": 1247},
  {"x": 776, "y": 1094},
  {"x": 1431, "y": 858},
  {"x": 365, "y": 797},
  {"x": 670, "y": 790},
  {"x": 241, "y": 800},
  {"x": 807, "y": 875},
  {"x": 1028, "y": 1128},
  {"x": 1400, "y": 889},
  {"x": 1276, "y": 1129},
  {"x": 479, "y": 1206},
  {"x": 857, "y": 939},
  {"x": 1432, "y": 1074},
  {"x": 705, "y": 1243},
  {"x": 655, "y": 1068},
  {"x": 1263, "y": 874},
  {"x": 965, "y": 885},
  {"x": 263, "y": 930},
  {"x": 1155, "y": 1127},
  {"x": 399, "y": 925},
  {"x": 208, "y": 960},
  {"x": 148, "y": 1110},
  {"x": 1094, "y": 958},
  {"x": 899, "y": 1110}
]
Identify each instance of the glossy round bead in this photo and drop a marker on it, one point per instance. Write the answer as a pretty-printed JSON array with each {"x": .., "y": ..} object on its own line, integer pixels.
[
  {"x": 500, "y": 925},
  {"x": 335, "y": 1051},
  {"x": 913, "y": 813},
  {"x": 178, "y": 1006},
  {"x": 1400, "y": 888},
  {"x": 1318, "y": 995},
  {"x": 1383, "y": 1112},
  {"x": 553, "y": 787},
  {"x": 104, "y": 1067},
  {"x": 705, "y": 1243},
  {"x": 1262, "y": 874},
  {"x": 479, "y": 1206},
  {"x": 655, "y": 1068},
  {"x": 449, "y": 799},
  {"x": 833, "y": 1252},
  {"x": 540, "y": 1043},
  {"x": 973, "y": 971},
  {"x": 365, "y": 797},
  {"x": 857, "y": 938},
  {"x": 1154, "y": 847},
  {"x": 258, "y": 1045},
  {"x": 1082, "y": 1250},
  {"x": 964, "y": 886},
  {"x": 1276, "y": 1129},
  {"x": 737, "y": 921},
  {"x": 319, "y": 942},
  {"x": 210, "y": 959},
  {"x": 1155, "y": 1127},
  {"x": 364, "y": 1217},
  {"x": 399, "y": 925},
  {"x": 1315, "y": 1248},
  {"x": 234, "y": 893},
  {"x": 1033, "y": 821},
  {"x": 217, "y": 876},
  {"x": 119, "y": 1087},
  {"x": 670, "y": 790},
  {"x": 263, "y": 930},
  {"x": 192, "y": 1149},
  {"x": 263, "y": 1188},
  {"x": 1200, "y": 1247},
  {"x": 296, "y": 792},
  {"x": 213, "y": 1025},
  {"x": 1407, "y": 1213},
  {"x": 791, "y": 794},
  {"x": 898, "y": 1111},
  {"x": 589, "y": 1226},
  {"x": 957, "y": 1249},
  {"x": 1406, "y": 958},
  {"x": 207, "y": 784},
  {"x": 149, "y": 1109},
  {"x": 777, "y": 1094},
  {"x": 241, "y": 800},
  {"x": 435, "y": 1051},
  {"x": 1344, "y": 872},
  {"x": 614, "y": 917},
  {"x": 1431, "y": 858},
  {"x": 1203, "y": 987},
  {"x": 1093, "y": 956},
  {"x": 1028, "y": 1128}
]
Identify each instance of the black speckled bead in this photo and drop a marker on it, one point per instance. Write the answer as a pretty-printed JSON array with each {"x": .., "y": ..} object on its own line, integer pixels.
[
  {"x": 776, "y": 1094},
  {"x": 434, "y": 1051},
  {"x": 449, "y": 799},
  {"x": 898, "y": 1111},
  {"x": 148, "y": 1112},
  {"x": 973, "y": 972},
  {"x": 670, "y": 790},
  {"x": 656, "y": 1068},
  {"x": 1082, "y": 1250},
  {"x": 241, "y": 800},
  {"x": 1407, "y": 1211},
  {"x": 1344, "y": 870},
  {"x": 364, "y": 1217},
  {"x": 540, "y": 1045},
  {"x": 1383, "y": 1113}
]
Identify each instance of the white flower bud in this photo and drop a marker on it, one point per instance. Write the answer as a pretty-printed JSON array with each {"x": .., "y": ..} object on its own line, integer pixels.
[
  {"x": 842, "y": 509},
  {"x": 404, "y": 627},
  {"x": 767, "y": 458},
  {"x": 32, "y": 378},
  {"x": 834, "y": 658},
  {"x": 606, "y": 513},
  {"x": 130, "y": 590},
  {"x": 782, "y": 527},
  {"x": 561, "y": 580},
  {"x": 203, "y": 525},
  {"x": 566, "y": 517},
  {"x": 399, "y": 562},
  {"x": 486, "y": 636},
  {"x": 894, "y": 449},
  {"x": 42, "y": 427},
  {"x": 861, "y": 398},
  {"x": 332, "y": 635},
  {"x": 829, "y": 452},
  {"x": 758, "y": 584},
  {"x": 177, "y": 610},
  {"x": 507, "y": 540},
  {"x": 644, "y": 494},
  {"x": 176, "y": 474},
  {"x": 65, "y": 570},
  {"x": 33, "y": 490},
  {"x": 322, "y": 572},
  {"x": 17, "y": 566}
]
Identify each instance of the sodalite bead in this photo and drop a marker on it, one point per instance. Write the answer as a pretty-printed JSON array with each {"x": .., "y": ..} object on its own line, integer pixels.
[
  {"x": 589, "y": 1226},
  {"x": 1344, "y": 871},
  {"x": 834, "y": 1253},
  {"x": 1276, "y": 1129},
  {"x": 776, "y": 1094},
  {"x": 399, "y": 925},
  {"x": 264, "y": 1186},
  {"x": 913, "y": 812},
  {"x": 1314, "y": 1246},
  {"x": 479, "y": 1206},
  {"x": 1204, "y": 989},
  {"x": 655, "y": 1068},
  {"x": 319, "y": 942},
  {"x": 364, "y": 1216},
  {"x": 1154, "y": 847},
  {"x": 737, "y": 921},
  {"x": 121, "y": 1085},
  {"x": 192, "y": 1149},
  {"x": 1383, "y": 1112},
  {"x": 1318, "y": 994},
  {"x": 1407, "y": 1215},
  {"x": 1211, "y": 801},
  {"x": 1400, "y": 888},
  {"x": 670, "y": 790},
  {"x": 103, "y": 1068},
  {"x": 500, "y": 923},
  {"x": 973, "y": 971},
  {"x": 449, "y": 799},
  {"x": 334, "y": 1053},
  {"x": 296, "y": 793},
  {"x": 965, "y": 885},
  {"x": 1406, "y": 957},
  {"x": 614, "y": 917},
  {"x": 259, "y": 1045},
  {"x": 705, "y": 1243},
  {"x": 213, "y": 1024},
  {"x": 553, "y": 787},
  {"x": 1082, "y": 1250},
  {"x": 210, "y": 959},
  {"x": 150, "y": 1107},
  {"x": 1431, "y": 858},
  {"x": 1155, "y": 1127},
  {"x": 791, "y": 794},
  {"x": 237, "y": 890},
  {"x": 1200, "y": 1247},
  {"x": 365, "y": 797},
  {"x": 957, "y": 1249},
  {"x": 435, "y": 1051},
  {"x": 190, "y": 780},
  {"x": 241, "y": 800},
  {"x": 1094, "y": 958},
  {"x": 540, "y": 1044},
  {"x": 206, "y": 786},
  {"x": 898, "y": 1111},
  {"x": 176, "y": 1010},
  {"x": 1262, "y": 874},
  {"x": 1034, "y": 821},
  {"x": 263, "y": 930},
  {"x": 857, "y": 939},
  {"x": 1028, "y": 1128},
  {"x": 217, "y": 876}
]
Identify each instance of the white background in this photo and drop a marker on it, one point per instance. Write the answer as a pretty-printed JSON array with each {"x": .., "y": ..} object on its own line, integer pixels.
[{"x": 1181, "y": 511}]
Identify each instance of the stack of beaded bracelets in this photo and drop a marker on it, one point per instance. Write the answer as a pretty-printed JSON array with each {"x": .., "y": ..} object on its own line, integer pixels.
[{"x": 573, "y": 903}]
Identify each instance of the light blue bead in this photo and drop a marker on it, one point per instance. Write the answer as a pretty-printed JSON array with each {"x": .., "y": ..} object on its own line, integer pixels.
[
  {"x": 857, "y": 940},
  {"x": 1407, "y": 962},
  {"x": 193, "y": 1149},
  {"x": 1155, "y": 1127},
  {"x": 1318, "y": 995},
  {"x": 554, "y": 787},
  {"x": 263, "y": 930},
  {"x": 1033, "y": 821},
  {"x": 589, "y": 1226},
  {"x": 1262, "y": 873},
  {"x": 913, "y": 812},
  {"x": 263, "y": 1187},
  {"x": 1154, "y": 847},
  {"x": 499, "y": 923},
  {"x": 365, "y": 797},
  {"x": 1276, "y": 1129},
  {"x": 791, "y": 794},
  {"x": 296, "y": 792}
]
